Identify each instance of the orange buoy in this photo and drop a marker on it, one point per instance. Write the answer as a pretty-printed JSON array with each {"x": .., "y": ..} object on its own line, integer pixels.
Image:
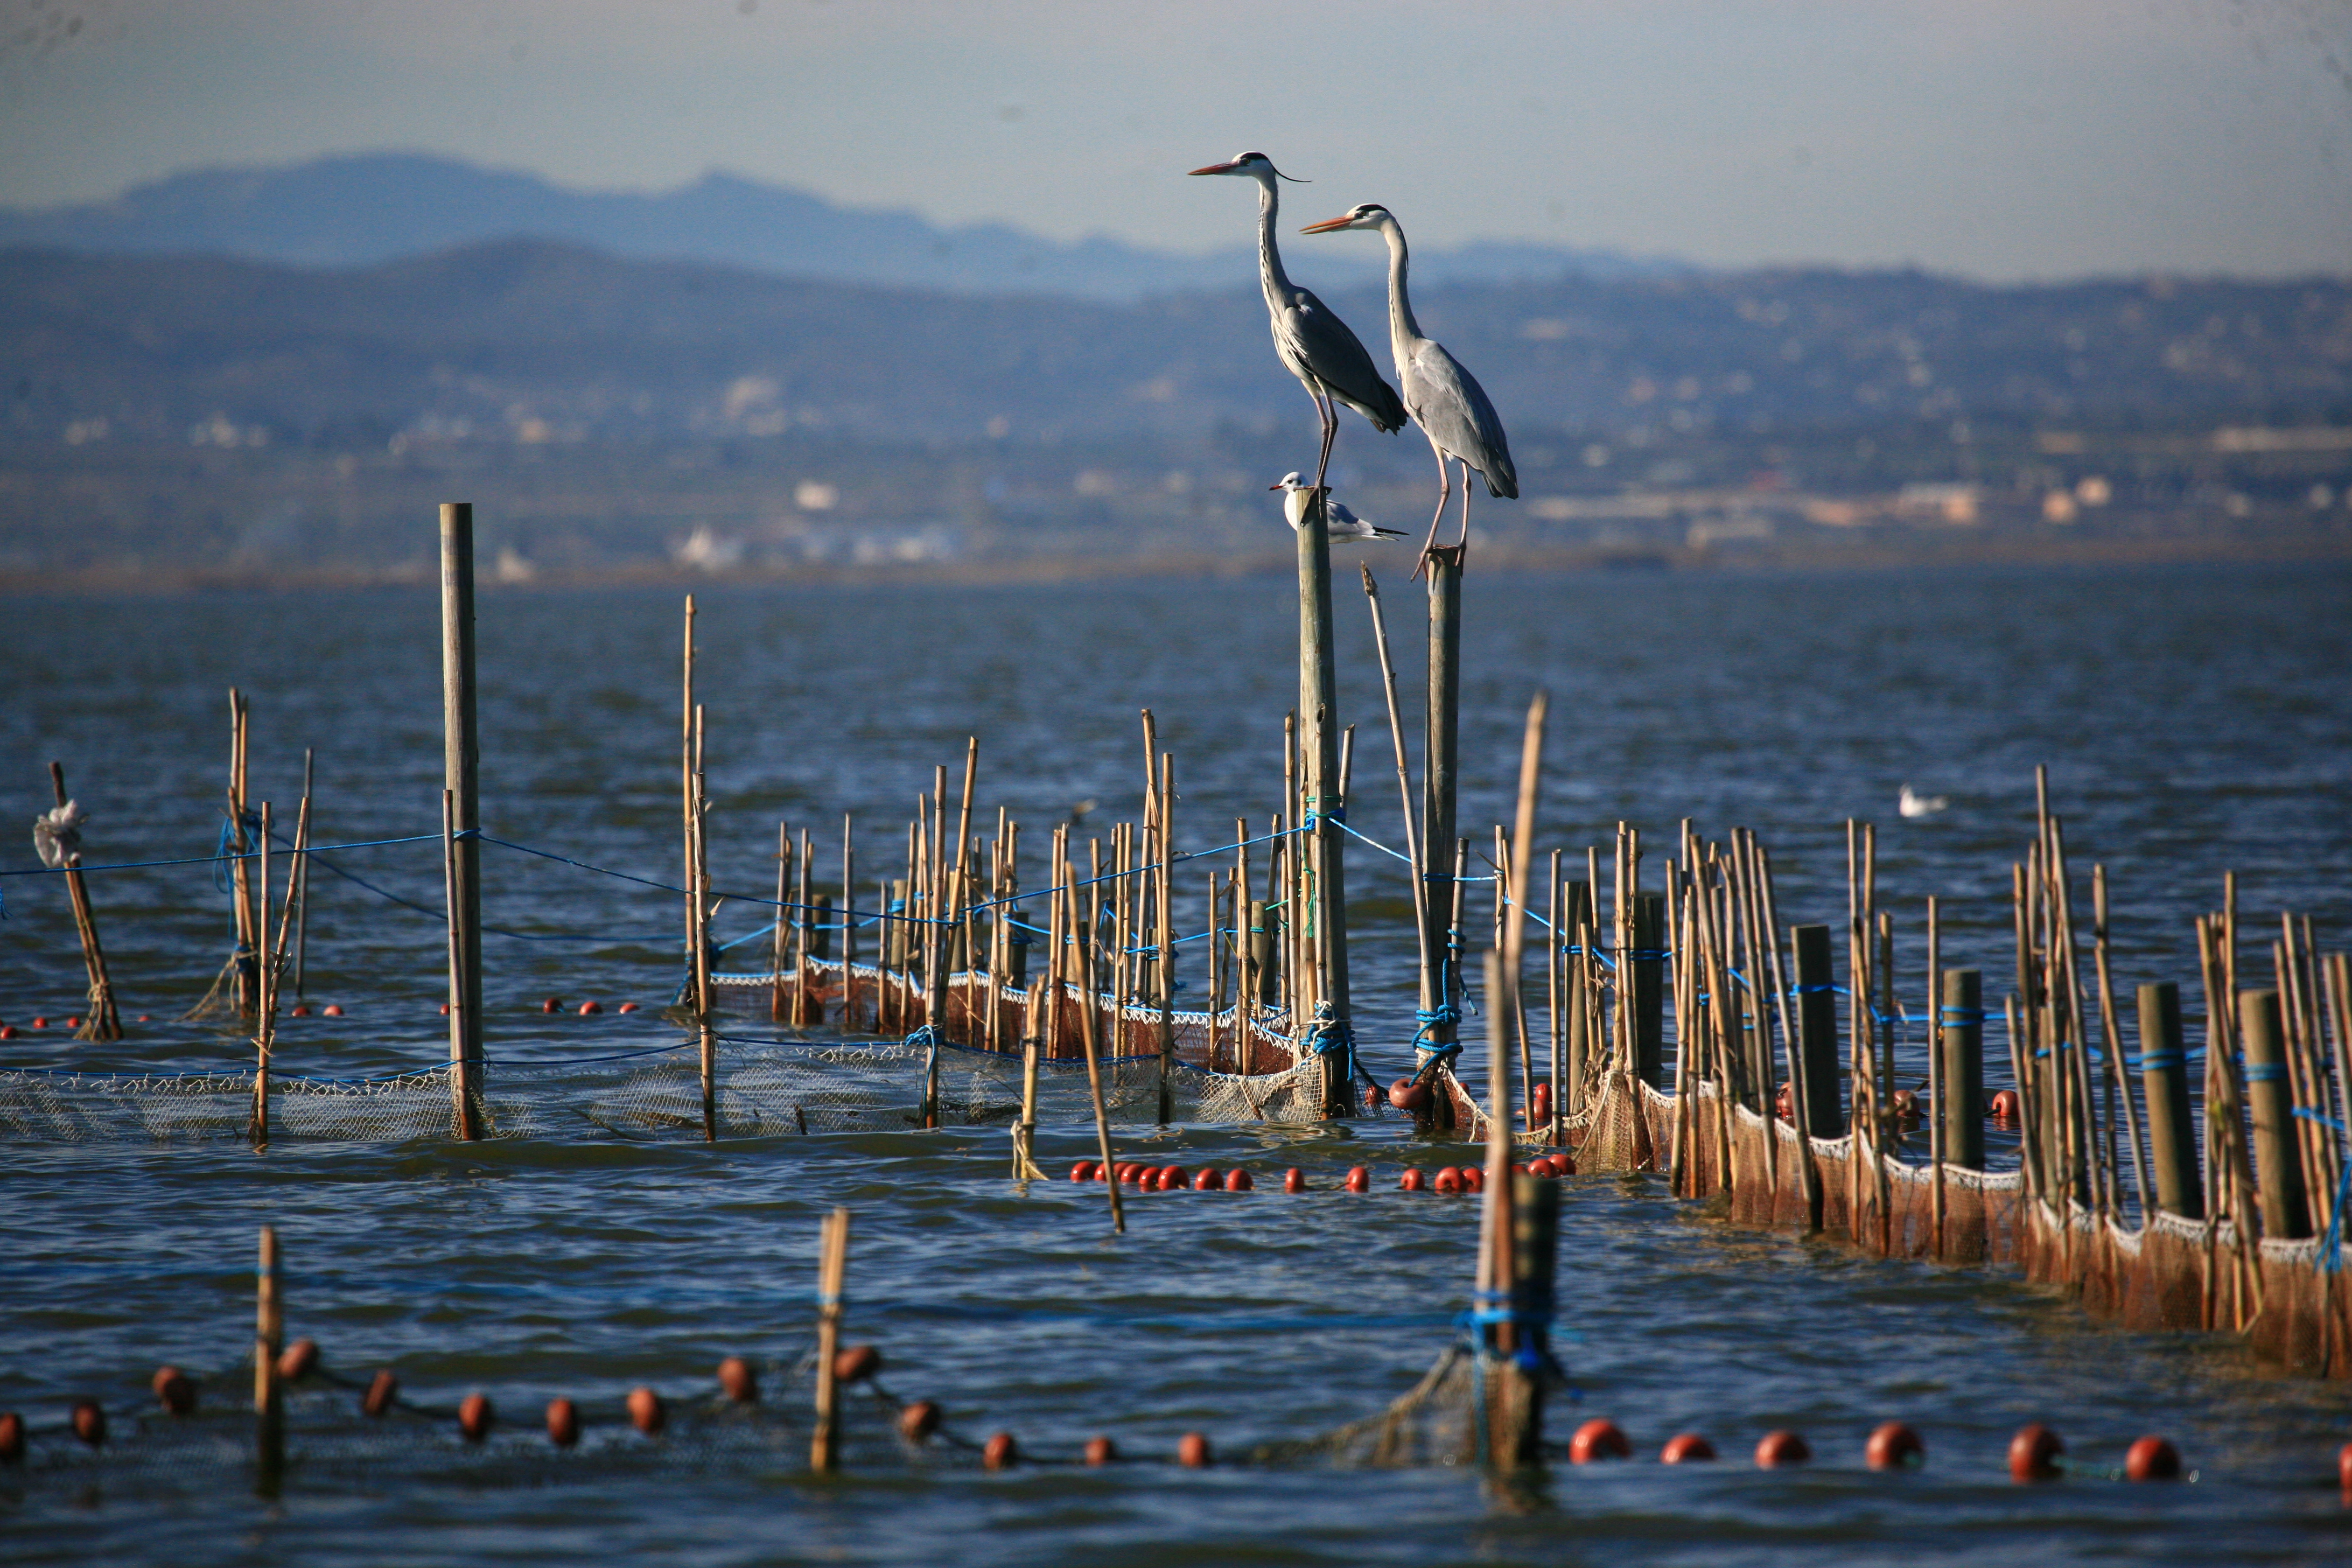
[
  {"x": 335, "y": 1010},
  {"x": 1173, "y": 1179},
  {"x": 40, "y": 1023},
  {"x": 476, "y": 1417},
  {"x": 1413, "y": 1181},
  {"x": 1686, "y": 1448},
  {"x": 1360, "y": 1180},
  {"x": 646, "y": 1412},
  {"x": 1539, "y": 1105},
  {"x": 173, "y": 1390},
  {"x": 2033, "y": 1453},
  {"x": 1002, "y": 1452},
  {"x": 1294, "y": 1180},
  {"x": 1784, "y": 1104},
  {"x": 8, "y": 1031},
  {"x": 2152, "y": 1459},
  {"x": 381, "y": 1392},
  {"x": 1408, "y": 1094},
  {"x": 1540, "y": 1166},
  {"x": 1449, "y": 1180},
  {"x": 552, "y": 1004},
  {"x": 563, "y": 1422},
  {"x": 146, "y": 1017},
  {"x": 1372, "y": 1097},
  {"x": 1597, "y": 1439},
  {"x": 73, "y": 1021},
  {"x": 588, "y": 1007},
  {"x": 1084, "y": 1171},
  {"x": 1192, "y": 1452},
  {"x": 2005, "y": 1106},
  {"x": 738, "y": 1381},
  {"x": 11, "y": 1438},
  {"x": 627, "y": 1007},
  {"x": 1895, "y": 1447},
  {"x": 2344, "y": 1469},
  {"x": 1124, "y": 1170},
  {"x": 1904, "y": 1103},
  {"x": 1563, "y": 1164},
  {"x": 856, "y": 1363},
  {"x": 1208, "y": 1181},
  {"x": 89, "y": 1421},
  {"x": 919, "y": 1420},
  {"x": 1473, "y": 1180},
  {"x": 444, "y": 1009},
  {"x": 1238, "y": 1180},
  {"x": 300, "y": 1010},
  {"x": 1777, "y": 1450},
  {"x": 1102, "y": 1451},
  {"x": 298, "y": 1361}
]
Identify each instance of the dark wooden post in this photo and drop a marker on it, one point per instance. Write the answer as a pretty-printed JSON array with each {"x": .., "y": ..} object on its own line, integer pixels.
[
  {"x": 268, "y": 1399},
  {"x": 1961, "y": 1033},
  {"x": 2270, "y": 1094},
  {"x": 1440, "y": 981},
  {"x": 461, "y": 766},
  {"x": 1318, "y": 715},
  {"x": 2172, "y": 1125},
  {"x": 1649, "y": 989},
  {"x": 1816, "y": 1045}
]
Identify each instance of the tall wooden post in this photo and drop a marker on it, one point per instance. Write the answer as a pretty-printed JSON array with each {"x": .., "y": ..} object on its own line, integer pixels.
[
  {"x": 1817, "y": 1051},
  {"x": 302, "y": 885},
  {"x": 833, "y": 1267},
  {"x": 461, "y": 767},
  {"x": 268, "y": 1399},
  {"x": 2164, "y": 1079},
  {"x": 1441, "y": 982},
  {"x": 101, "y": 1022},
  {"x": 1318, "y": 715},
  {"x": 2270, "y": 1093},
  {"x": 1961, "y": 1032},
  {"x": 1647, "y": 968}
]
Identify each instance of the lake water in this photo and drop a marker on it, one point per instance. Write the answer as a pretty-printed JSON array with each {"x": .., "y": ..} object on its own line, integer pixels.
[{"x": 2193, "y": 721}]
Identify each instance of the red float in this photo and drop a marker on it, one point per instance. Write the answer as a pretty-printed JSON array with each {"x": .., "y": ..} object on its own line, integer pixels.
[
  {"x": 300, "y": 1010},
  {"x": 1173, "y": 1179},
  {"x": 1777, "y": 1450},
  {"x": 1686, "y": 1448},
  {"x": 382, "y": 1392},
  {"x": 1294, "y": 1180},
  {"x": 563, "y": 1422},
  {"x": 1784, "y": 1104},
  {"x": 1449, "y": 1180},
  {"x": 12, "y": 1439},
  {"x": 738, "y": 1381},
  {"x": 2034, "y": 1454},
  {"x": 1360, "y": 1180},
  {"x": 2152, "y": 1459},
  {"x": 1002, "y": 1452},
  {"x": 2005, "y": 1106},
  {"x": 1084, "y": 1171},
  {"x": 89, "y": 1421},
  {"x": 335, "y": 1010},
  {"x": 8, "y": 1031},
  {"x": 173, "y": 1390},
  {"x": 298, "y": 1361},
  {"x": 40, "y": 1023},
  {"x": 1102, "y": 1451},
  {"x": 1597, "y": 1439},
  {"x": 646, "y": 1412},
  {"x": 2344, "y": 1469},
  {"x": 1208, "y": 1181},
  {"x": 1192, "y": 1452},
  {"x": 588, "y": 1007},
  {"x": 627, "y": 1007},
  {"x": 1408, "y": 1094},
  {"x": 475, "y": 1417},
  {"x": 856, "y": 1363},
  {"x": 1473, "y": 1180},
  {"x": 1238, "y": 1180},
  {"x": 1895, "y": 1447},
  {"x": 1413, "y": 1181},
  {"x": 919, "y": 1420}
]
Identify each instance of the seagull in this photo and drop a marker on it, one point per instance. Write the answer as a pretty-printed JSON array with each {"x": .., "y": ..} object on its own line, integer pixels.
[
  {"x": 1911, "y": 803},
  {"x": 56, "y": 834},
  {"x": 1338, "y": 521}
]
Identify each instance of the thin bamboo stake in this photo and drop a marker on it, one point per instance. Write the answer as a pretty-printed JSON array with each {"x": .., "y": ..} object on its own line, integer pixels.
[
  {"x": 705, "y": 1031},
  {"x": 1432, "y": 980},
  {"x": 1937, "y": 1086},
  {"x": 268, "y": 1399},
  {"x": 265, "y": 1014},
  {"x": 302, "y": 886},
  {"x": 1095, "y": 1091},
  {"x": 783, "y": 898},
  {"x": 101, "y": 1021},
  {"x": 2111, "y": 1032},
  {"x": 832, "y": 1267}
]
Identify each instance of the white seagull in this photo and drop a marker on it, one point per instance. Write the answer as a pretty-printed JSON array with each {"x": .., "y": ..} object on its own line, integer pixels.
[
  {"x": 1911, "y": 803},
  {"x": 1338, "y": 521}
]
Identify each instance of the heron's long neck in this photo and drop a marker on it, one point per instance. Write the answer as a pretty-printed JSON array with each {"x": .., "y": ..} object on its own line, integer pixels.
[
  {"x": 1402, "y": 328},
  {"x": 1270, "y": 275}
]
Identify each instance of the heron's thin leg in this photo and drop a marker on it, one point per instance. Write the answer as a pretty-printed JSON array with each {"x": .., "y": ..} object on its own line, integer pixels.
[
  {"x": 1437, "y": 518},
  {"x": 1466, "y": 503},
  {"x": 1331, "y": 414}
]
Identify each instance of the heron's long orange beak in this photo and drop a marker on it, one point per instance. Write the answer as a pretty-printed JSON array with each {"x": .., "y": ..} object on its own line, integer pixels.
[
  {"x": 1328, "y": 225},
  {"x": 1225, "y": 168}
]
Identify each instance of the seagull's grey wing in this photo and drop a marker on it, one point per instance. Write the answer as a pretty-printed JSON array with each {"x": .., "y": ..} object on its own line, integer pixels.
[
  {"x": 1448, "y": 402},
  {"x": 1311, "y": 336}
]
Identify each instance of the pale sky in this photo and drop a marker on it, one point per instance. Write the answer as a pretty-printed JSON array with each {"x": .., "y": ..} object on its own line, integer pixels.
[{"x": 2002, "y": 138}]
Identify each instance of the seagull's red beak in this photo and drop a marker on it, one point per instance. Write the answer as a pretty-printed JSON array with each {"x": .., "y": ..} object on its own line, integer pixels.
[
  {"x": 1327, "y": 225},
  {"x": 1227, "y": 168}
]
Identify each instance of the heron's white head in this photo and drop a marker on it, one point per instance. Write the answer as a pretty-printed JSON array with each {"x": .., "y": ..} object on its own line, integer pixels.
[
  {"x": 1288, "y": 482},
  {"x": 1370, "y": 215},
  {"x": 1255, "y": 165}
]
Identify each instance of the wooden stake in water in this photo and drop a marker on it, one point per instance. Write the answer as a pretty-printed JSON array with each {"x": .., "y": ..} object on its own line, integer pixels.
[
  {"x": 1318, "y": 718},
  {"x": 302, "y": 887},
  {"x": 461, "y": 766},
  {"x": 784, "y": 900},
  {"x": 1094, "y": 1075},
  {"x": 1025, "y": 1134},
  {"x": 100, "y": 1022},
  {"x": 265, "y": 1013},
  {"x": 831, "y": 1269},
  {"x": 268, "y": 1401},
  {"x": 705, "y": 1030}
]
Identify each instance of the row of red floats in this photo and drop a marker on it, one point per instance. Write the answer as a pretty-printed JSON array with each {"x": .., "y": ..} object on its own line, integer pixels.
[
  {"x": 1177, "y": 1178},
  {"x": 2035, "y": 1453},
  {"x": 332, "y": 1010}
]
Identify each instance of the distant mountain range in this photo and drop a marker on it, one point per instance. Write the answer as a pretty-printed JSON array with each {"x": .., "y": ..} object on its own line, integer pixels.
[{"x": 361, "y": 210}]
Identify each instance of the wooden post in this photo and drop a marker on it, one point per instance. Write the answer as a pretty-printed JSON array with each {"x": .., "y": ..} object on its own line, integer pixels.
[
  {"x": 833, "y": 1265},
  {"x": 2278, "y": 1165},
  {"x": 101, "y": 1022},
  {"x": 1816, "y": 1067},
  {"x": 705, "y": 1031},
  {"x": 1442, "y": 981},
  {"x": 848, "y": 926},
  {"x": 2164, "y": 1080},
  {"x": 246, "y": 978},
  {"x": 1024, "y": 1133},
  {"x": 783, "y": 898},
  {"x": 461, "y": 766},
  {"x": 1318, "y": 718},
  {"x": 302, "y": 885},
  {"x": 1646, "y": 969},
  {"x": 264, "y": 1011},
  {"x": 268, "y": 1401},
  {"x": 1094, "y": 1064},
  {"x": 1164, "y": 937},
  {"x": 1960, "y": 1109}
]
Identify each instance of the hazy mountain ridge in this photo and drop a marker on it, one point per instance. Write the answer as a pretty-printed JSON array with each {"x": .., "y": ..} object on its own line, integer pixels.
[{"x": 367, "y": 209}]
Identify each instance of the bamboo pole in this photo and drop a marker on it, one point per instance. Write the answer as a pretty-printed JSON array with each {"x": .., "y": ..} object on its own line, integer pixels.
[
  {"x": 803, "y": 931},
  {"x": 784, "y": 899},
  {"x": 461, "y": 767},
  {"x": 2111, "y": 1031},
  {"x": 848, "y": 926},
  {"x": 247, "y": 978},
  {"x": 100, "y": 1022},
  {"x": 1938, "y": 1083},
  {"x": 706, "y": 1031},
  {"x": 302, "y": 886},
  {"x": 1432, "y": 976},
  {"x": 1093, "y": 1084},
  {"x": 832, "y": 1267},
  {"x": 265, "y": 1013},
  {"x": 1164, "y": 938},
  {"x": 1326, "y": 807},
  {"x": 268, "y": 1398},
  {"x": 685, "y": 766}
]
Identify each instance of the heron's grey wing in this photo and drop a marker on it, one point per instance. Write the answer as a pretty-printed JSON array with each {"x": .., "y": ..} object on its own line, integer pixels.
[
  {"x": 1311, "y": 335},
  {"x": 1448, "y": 402}
]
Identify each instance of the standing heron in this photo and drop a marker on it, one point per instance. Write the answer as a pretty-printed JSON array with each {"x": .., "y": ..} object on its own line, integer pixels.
[
  {"x": 1444, "y": 399},
  {"x": 1314, "y": 345}
]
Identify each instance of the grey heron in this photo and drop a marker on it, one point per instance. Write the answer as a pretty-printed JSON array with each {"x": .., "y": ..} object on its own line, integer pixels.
[
  {"x": 1338, "y": 520},
  {"x": 1444, "y": 399},
  {"x": 1313, "y": 344}
]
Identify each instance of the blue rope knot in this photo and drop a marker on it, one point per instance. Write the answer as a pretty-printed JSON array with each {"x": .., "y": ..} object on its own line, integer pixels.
[
  {"x": 2266, "y": 1072},
  {"x": 926, "y": 1037}
]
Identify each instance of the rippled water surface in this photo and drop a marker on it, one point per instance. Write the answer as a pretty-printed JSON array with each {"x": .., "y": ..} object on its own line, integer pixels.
[{"x": 2192, "y": 721}]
